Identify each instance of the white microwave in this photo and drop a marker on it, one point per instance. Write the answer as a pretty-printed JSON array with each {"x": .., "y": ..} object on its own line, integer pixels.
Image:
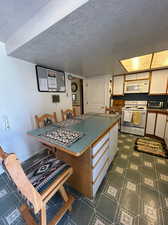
[{"x": 138, "y": 86}]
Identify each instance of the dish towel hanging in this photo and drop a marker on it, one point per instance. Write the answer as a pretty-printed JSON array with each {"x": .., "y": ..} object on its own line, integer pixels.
[
  {"x": 136, "y": 118},
  {"x": 127, "y": 116}
]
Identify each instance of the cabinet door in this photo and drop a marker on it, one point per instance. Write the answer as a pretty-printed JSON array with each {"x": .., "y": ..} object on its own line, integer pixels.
[
  {"x": 143, "y": 75},
  {"x": 113, "y": 145},
  {"x": 160, "y": 125},
  {"x": 159, "y": 82},
  {"x": 166, "y": 133},
  {"x": 150, "y": 126},
  {"x": 118, "y": 85},
  {"x": 131, "y": 77}
]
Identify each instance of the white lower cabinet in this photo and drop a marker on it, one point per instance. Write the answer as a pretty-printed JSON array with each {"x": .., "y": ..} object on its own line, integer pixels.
[
  {"x": 113, "y": 145},
  {"x": 160, "y": 125},
  {"x": 102, "y": 155},
  {"x": 166, "y": 133},
  {"x": 150, "y": 126}
]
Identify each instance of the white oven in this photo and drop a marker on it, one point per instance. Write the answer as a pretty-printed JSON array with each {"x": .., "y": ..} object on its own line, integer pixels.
[
  {"x": 133, "y": 117},
  {"x": 139, "y": 86}
]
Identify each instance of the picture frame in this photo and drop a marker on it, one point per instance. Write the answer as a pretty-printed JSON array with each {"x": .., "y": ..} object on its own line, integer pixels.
[{"x": 50, "y": 80}]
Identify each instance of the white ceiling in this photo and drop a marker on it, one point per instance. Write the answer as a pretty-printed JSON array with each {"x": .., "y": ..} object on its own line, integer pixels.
[
  {"x": 91, "y": 40},
  {"x": 14, "y": 13}
]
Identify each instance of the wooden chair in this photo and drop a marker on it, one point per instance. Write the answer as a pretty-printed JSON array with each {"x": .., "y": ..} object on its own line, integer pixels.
[
  {"x": 39, "y": 188},
  {"x": 43, "y": 121},
  {"x": 46, "y": 119},
  {"x": 68, "y": 114}
]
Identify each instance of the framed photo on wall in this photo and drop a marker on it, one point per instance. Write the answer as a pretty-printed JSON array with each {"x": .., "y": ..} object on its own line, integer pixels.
[{"x": 50, "y": 80}]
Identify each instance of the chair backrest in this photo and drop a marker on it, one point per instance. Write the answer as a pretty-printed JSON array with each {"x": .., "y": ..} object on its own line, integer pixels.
[
  {"x": 109, "y": 110},
  {"x": 14, "y": 169},
  {"x": 68, "y": 114},
  {"x": 46, "y": 119}
]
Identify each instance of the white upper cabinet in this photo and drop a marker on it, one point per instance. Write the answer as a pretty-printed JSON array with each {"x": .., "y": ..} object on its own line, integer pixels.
[
  {"x": 159, "y": 82},
  {"x": 131, "y": 77},
  {"x": 118, "y": 85},
  {"x": 160, "y": 125},
  {"x": 144, "y": 75},
  {"x": 138, "y": 76}
]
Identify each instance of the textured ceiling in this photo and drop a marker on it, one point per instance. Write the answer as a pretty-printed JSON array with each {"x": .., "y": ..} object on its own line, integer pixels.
[
  {"x": 14, "y": 13},
  {"x": 91, "y": 40}
]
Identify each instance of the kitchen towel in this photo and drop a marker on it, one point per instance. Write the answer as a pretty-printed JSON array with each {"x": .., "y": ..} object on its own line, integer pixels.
[
  {"x": 136, "y": 118},
  {"x": 127, "y": 116}
]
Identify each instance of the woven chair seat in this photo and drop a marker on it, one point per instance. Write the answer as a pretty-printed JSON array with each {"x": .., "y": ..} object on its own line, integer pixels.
[{"x": 45, "y": 169}]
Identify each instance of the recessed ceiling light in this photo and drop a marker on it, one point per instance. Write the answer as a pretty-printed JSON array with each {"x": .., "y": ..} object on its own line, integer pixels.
[
  {"x": 137, "y": 63},
  {"x": 160, "y": 59}
]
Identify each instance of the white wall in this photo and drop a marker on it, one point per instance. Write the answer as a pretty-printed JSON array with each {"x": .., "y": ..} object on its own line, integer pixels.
[
  {"x": 98, "y": 94},
  {"x": 20, "y": 101}
]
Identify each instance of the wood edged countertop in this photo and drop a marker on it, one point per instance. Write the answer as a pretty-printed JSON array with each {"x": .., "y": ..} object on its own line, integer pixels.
[
  {"x": 94, "y": 126},
  {"x": 161, "y": 111}
]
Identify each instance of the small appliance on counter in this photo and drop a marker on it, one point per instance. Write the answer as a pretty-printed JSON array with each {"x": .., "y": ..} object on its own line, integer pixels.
[{"x": 156, "y": 104}]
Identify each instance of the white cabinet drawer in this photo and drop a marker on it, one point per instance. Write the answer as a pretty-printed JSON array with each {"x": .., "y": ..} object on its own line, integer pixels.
[
  {"x": 100, "y": 178},
  {"x": 99, "y": 144},
  {"x": 97, "y": 169},
  {"x": 99, "y": 153}
]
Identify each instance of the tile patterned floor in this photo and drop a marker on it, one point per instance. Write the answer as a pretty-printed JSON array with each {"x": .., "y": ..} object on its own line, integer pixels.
[{"x": 134, "y": 192}]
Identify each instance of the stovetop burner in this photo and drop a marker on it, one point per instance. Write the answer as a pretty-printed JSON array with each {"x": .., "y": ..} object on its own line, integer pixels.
[{"x": 62, "y": 136}]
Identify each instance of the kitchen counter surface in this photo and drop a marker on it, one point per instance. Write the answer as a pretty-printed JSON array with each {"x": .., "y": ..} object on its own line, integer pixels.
[
  {"x": 162, "y": 111},
  {"x": 93, "y": 126}
]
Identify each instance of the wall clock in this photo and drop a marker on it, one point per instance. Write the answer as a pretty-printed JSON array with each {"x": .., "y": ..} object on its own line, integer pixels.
[{"x": 74, "y": 87}]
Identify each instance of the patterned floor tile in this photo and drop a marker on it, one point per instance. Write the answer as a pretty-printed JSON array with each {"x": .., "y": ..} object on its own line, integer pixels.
[
  {"x": 133, "y": 166},
  {"x": 150, "y": 196},
  {"x": 148, "y": 164},
  {"x": 124, "y": 156},
  {"x": 130, "y": 201},
  {"x": 115, "y": 179},
  {"x": 163, "y": 187},
  {"x": 133, "y": 175},
  {"x": 81, "y": 213},
  {"x": 151, "y": 214},
  {"x": 149, "y": 182},
  {"x": 165, "y": 217},
  {"x": 127, "y": 146},
  {"x": 119, "y": 170},
  {"x": 125, "y": 218},
  {"x": 149, "y": 172},
  {"x": 164, "y": 177},
  {"x": 107, "y": 208},
  {"x": 161, "y": 168},
  {"x": 99, "y": 220},
  {"x": 164, "y": 201},
  {"x": 136, "y": 154},
  {"x": 161, "y": 161},
  {"x": 131, "y": 186}
]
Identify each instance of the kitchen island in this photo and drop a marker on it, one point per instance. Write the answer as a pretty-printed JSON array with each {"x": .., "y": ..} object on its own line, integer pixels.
[{"x": 91, "y": 155}]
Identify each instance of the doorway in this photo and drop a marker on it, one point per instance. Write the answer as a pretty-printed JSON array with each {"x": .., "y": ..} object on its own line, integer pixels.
[{"x": 77, "y": 95}]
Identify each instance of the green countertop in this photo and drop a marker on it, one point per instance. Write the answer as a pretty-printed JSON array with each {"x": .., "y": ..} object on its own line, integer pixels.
[{"x": 93, "y": 126}]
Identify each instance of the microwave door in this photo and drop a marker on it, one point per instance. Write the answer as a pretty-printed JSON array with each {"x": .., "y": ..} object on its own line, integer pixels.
[{"x": 132, "y": 88}]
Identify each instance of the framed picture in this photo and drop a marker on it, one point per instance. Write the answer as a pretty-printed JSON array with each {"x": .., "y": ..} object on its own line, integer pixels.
[{"x": 50, "y": 80}]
